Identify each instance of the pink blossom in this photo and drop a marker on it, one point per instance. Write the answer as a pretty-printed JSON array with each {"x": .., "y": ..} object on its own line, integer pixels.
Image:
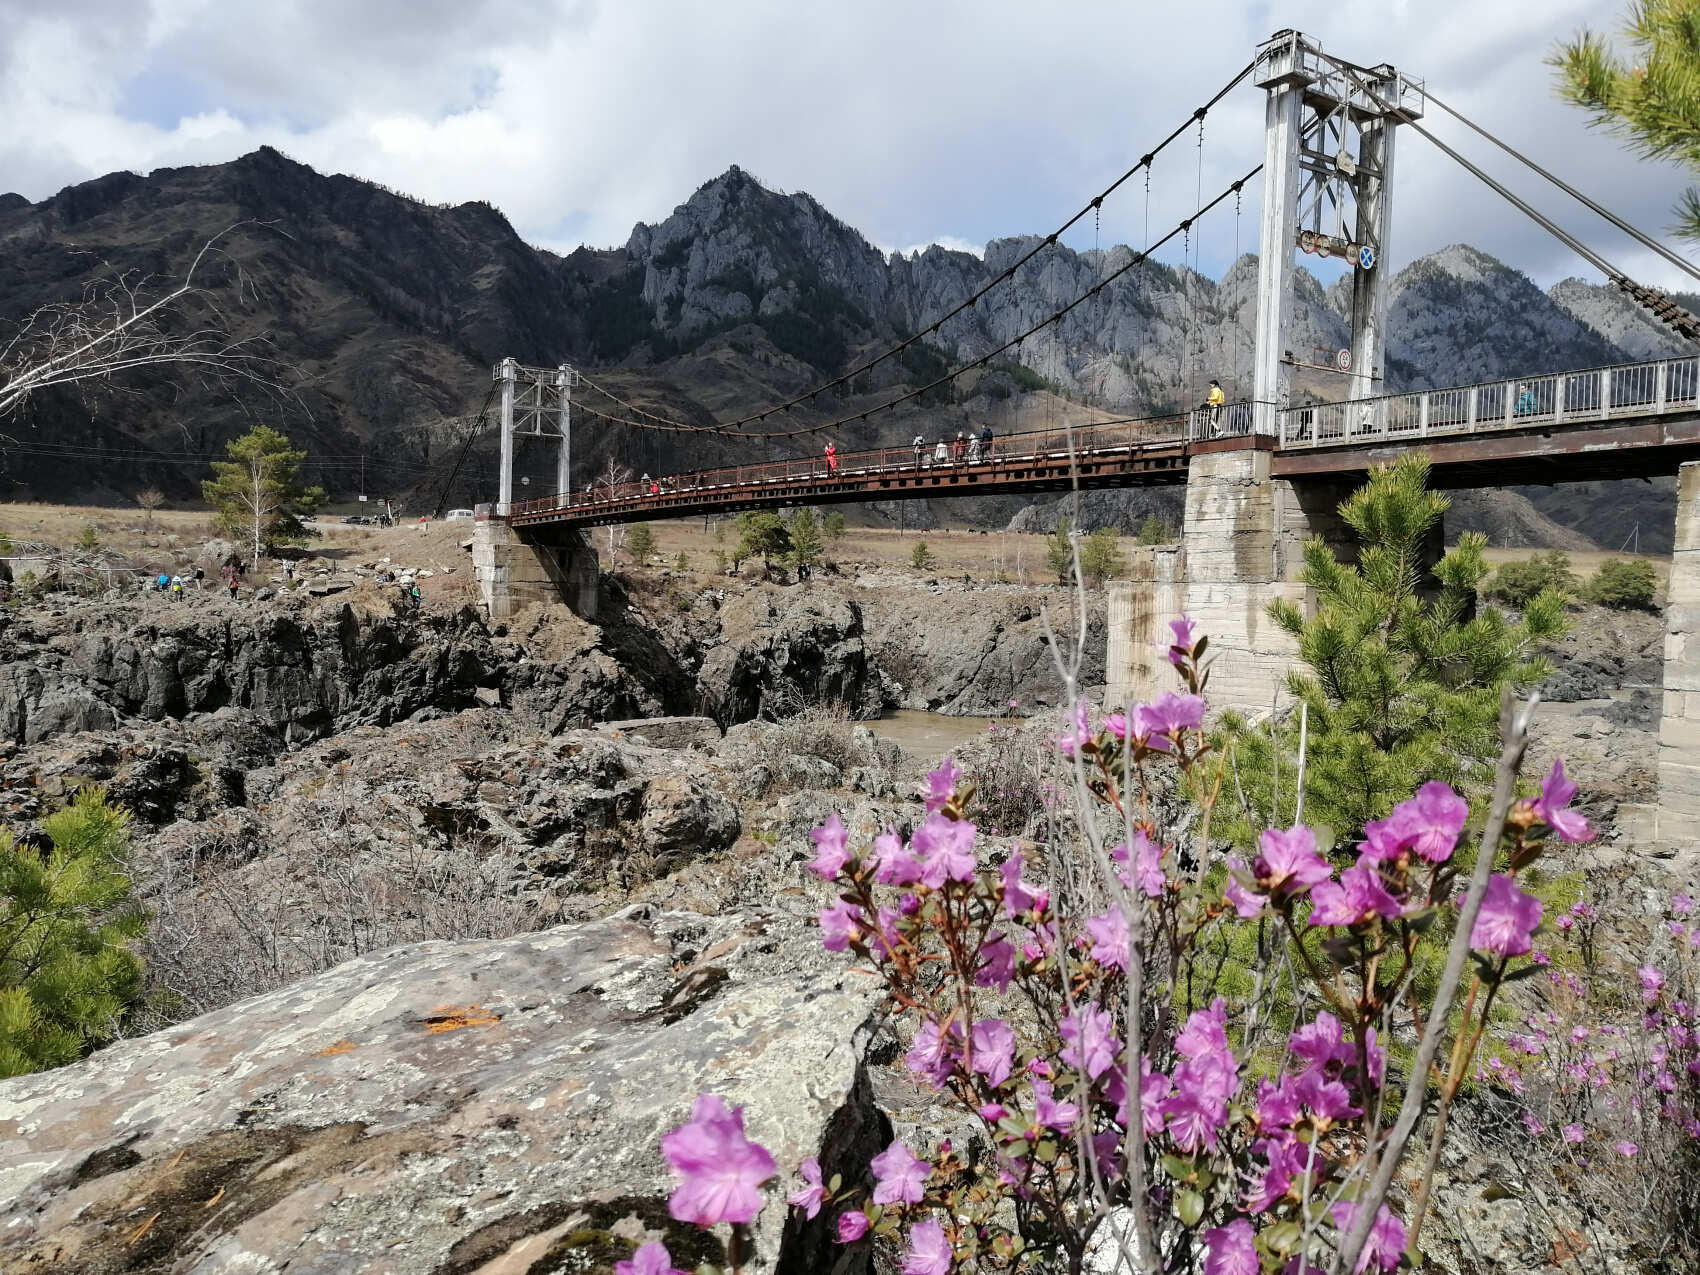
[
  {"x": 1287, "y": 862},
  {"x": 1147, "y": 861},
  {"x": 1277, "y": 1105},
  {"x": 929, "y": 1252},
  {"x": 1358, "y": 897},
  {"x": 1232, "y": 1250},
  {"x": 1080, "y": 730},
  {"x": 1552, "y": 805},
  {"x": 997, "y": 964},
  {"x": 1325, "y": 1099},
  {"x": 720, "y": 1171},
  {"x": 1386, "y": 1242},
  {"x": 1204, "y": 1032},
  {"x": 933, "y": 1054},
  {"x": 941, "y": 784},
  {"x": 992, "y": 1112},
  {"x": 1184, "y": 641},
  {"x": 1195, "y": 1114},
  {"x": 1159, "y": 724},
  {"x": 1109, "y": 935},
  {"x": 1681, "y": 904},
  {"x": 1574, "y": 1133},
  {"x": 902, "y": 1179},
  {"x": 1625, "y": 1148},
  {"x": 652, "y": 1259},
  {"x": 839, "y": 926},
  {"x": 1506, "y": 920},
  {"x": 1018, "y": 896},
  {"x": 897, "y": 864},
  {"x": 1246, "y": 902},
  {"x": 832, "y": 850},
  {"x": 852, "y": 1227},
  {"x": 1652, "y": 982},
  {"x": 946, "y": 850},
  {"x": 808, "y": 1196},
  {"x": 1090, "y": 1042},
  {"x": 1049, "y": 1113},
  {"x": 993, "y": 1050},
  {"x": 1283, "y": 1160}
]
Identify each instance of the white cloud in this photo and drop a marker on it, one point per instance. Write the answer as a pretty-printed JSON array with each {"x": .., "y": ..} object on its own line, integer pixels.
[{"x": 953, "y": 122}]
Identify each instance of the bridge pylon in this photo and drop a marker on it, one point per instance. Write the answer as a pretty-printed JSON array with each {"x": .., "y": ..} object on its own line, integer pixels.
[{"x": 1327, "y": 185}]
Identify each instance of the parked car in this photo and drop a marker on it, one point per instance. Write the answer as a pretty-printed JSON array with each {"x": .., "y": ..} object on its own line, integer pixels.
[{"x": 459, "y": 515}]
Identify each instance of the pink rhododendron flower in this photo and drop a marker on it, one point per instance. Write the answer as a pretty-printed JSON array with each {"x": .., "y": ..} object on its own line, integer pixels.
[
  {"x": 720, "y": 1171},
  {"x": 852, "y": 1227},
  {"x": 1232, "y": 1250},
  {"x": 997, "y": 964},
  {"x": 1507, "y": 919},
  {"x": 1681, "y": 904},
  {"x": 1321, "y": 1041},
  {"x": 1277, "y": 1105},
  {"x": 1574, "y": 1133},
  {"x": 897, "y": 864},
  {"x": 1089, "y": 1041},
  {"x": 992, "y": 1112},
  {"x": 832, "y": 847},
  {"x": 1358, "y": 897},
  {"x": 1284, "y": 1160},
  {"x": 1428, "y": 824},
  {"x": 1184, "y": 641},
  {"x": 941, "y": 784},
  {"x": 901, "y": 1178},
  {"x": 1245, "y": 901},
  {"x": 1386, "y": 1241},
  {"x": 1553, "y": 805},
  {"x": 1018, "y": 896},
  {"x": 993, "y": 1049},
  {"x": 1050, "y": 1113},
  {"x": 1109, "y": 935},
  {"x": 1159, "y": 724},
  {"x": 1205, "y": 1031},
  {"x": 1079, "y": 732},
  {"x": 652, "y": 1259},
  {"x": 1146, "y": 859},
  {"x": 838, "y": 926},
  {"x": 929, "y": 1250},
  {"x": 1287, "y": 862},
  {"x": 946, "y": 850},
  {"x": 1324, "y": 1098},
  {"x": 1652, "y": 982},
  {"x": 933, "y": 1054},
  {"x": 808, "y": 1196}
]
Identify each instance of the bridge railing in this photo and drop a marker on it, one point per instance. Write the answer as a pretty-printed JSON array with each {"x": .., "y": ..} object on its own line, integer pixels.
[
  {"x": 1594, "y": 394},
  {"x": 1231, "y": 420},
  {"x": 967, "y": 457}
]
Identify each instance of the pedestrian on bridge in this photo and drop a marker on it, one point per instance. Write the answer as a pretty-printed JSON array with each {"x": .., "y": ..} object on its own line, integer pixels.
[
  {"x": 941, "y": 454},
  {"x": 985, "y": 442},
  {"x": 959, "y": 449},
  {"x": 920, "y": 446},
  {"x": 831, "y": 460},
  {"x": 1214, "y": 401},
  {"x": 1525, "y": 401}
]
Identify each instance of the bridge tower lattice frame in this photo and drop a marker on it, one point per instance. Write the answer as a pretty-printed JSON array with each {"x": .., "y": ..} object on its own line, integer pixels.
[{"x": 1327, "y": 185}]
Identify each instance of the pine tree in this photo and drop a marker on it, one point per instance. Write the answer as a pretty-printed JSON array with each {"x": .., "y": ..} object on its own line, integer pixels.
[
  {"x": 256, "y": 491},
  {"x": 832, "y": 525},
  {"x": 1101, "y": 556},
  {"x": 763, "y": 535},
  {"x": 66, "y": 973},
  {"x": 640, "y": 542},
  {"x": 1059, "y": 551},
  {"x": 1399, "y": 687},
  {"x": 921, "y": 557},
  {"x": 806, "y": 549},
  {"x": 1653, "y": 97}
]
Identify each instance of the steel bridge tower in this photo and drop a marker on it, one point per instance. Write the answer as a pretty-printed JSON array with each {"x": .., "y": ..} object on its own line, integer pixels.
[{"x": 1327, "y": 184}]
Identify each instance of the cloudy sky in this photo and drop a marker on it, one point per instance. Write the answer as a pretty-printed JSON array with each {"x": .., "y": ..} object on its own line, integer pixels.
[{"x": 916, "y": 121}]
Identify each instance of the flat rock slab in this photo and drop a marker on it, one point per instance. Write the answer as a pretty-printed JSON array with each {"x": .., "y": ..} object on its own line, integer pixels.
[
  {"x": 439, "y": 1109},
  {"x": 666, "y": 732}
]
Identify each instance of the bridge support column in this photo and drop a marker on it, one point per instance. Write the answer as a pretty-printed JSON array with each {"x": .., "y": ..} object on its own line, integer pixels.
[
  {"x": 514, "y": 573},
  {"x": 1136, "y": 666},
  {"x": 1242, "y": 542},
  {"x": 1677, "y": 822}
]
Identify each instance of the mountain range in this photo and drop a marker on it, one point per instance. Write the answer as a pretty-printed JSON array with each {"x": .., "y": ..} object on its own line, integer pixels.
[{"x": 384, "y": 316}]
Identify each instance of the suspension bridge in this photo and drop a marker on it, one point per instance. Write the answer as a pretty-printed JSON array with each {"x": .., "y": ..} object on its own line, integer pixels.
[{"x": 1261, "y": 475}]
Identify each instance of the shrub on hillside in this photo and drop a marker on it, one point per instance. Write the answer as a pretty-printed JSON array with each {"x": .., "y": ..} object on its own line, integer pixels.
[
  {"x": 1625, "y": 584},
  {"x": 1520, "y": 583}
]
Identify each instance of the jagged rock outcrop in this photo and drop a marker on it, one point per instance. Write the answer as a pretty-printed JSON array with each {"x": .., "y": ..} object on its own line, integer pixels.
[
  {"x": 782, "y": 649},
  {"x": 450, "y": 1107}
]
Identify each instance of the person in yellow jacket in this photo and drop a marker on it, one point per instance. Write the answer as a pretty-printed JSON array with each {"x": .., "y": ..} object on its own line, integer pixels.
[{"x": 1214, "y": 401}]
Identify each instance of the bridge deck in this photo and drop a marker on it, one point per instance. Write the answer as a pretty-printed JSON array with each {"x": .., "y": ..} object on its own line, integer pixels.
[{"x": 1638, "y": 419}]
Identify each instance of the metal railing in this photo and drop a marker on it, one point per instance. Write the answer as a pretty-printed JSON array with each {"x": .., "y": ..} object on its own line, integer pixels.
[
  {"x": 955, "y": 457},
  {"x": 1595, "y": 394}
]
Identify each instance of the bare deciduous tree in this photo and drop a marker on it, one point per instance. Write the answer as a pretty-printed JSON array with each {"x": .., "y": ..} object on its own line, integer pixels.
[
  {"x": 126, "y": 321},
  {"x": 150, "y": 499}
]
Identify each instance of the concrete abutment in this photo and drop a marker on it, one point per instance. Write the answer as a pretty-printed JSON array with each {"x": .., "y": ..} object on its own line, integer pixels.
[
  {"x": 515, "y": 572},
  {"x": 1676, "y": 821}
]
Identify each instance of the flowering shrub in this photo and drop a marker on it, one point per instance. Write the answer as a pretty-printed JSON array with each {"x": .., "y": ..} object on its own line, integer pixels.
[{"x": 1127, "y": 1109}]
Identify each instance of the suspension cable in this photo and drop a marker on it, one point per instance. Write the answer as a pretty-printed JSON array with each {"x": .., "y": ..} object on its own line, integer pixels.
[
  {"x": 1003, "y": 276},
  {"x": 477, "y": 428},
  {"x": 1138, "y": 259},
  {"x": 1647, "y": 241}
]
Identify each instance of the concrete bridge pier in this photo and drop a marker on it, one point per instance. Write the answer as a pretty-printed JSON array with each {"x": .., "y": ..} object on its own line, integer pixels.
[
  {"x": 515, "y": 572},
  {"x": 1675, "y": 823}
]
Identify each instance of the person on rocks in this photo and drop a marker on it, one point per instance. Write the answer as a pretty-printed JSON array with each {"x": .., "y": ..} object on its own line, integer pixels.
[
  {"x": 176, "y": 588},
  {"x": 920, "y": 446},
  {"x": 231, "y": 579},
  {"x": 163, "y": 583},
  {"x": 415, "y": 598}
]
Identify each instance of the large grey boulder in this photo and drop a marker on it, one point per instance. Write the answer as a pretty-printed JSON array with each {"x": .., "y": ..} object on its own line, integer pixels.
[
  {"x": 783, "y": 649},
  {"x": 492, "y": 1106}
]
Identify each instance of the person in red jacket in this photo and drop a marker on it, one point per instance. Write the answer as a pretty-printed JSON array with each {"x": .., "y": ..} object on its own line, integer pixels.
[{"x": 831, "y": 460}]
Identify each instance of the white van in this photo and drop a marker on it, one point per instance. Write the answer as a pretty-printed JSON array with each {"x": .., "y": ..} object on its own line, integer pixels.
[{"x": 459, "y": 515}]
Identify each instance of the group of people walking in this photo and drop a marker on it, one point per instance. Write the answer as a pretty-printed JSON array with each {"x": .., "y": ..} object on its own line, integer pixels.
[{"x": 964, "y": 449}]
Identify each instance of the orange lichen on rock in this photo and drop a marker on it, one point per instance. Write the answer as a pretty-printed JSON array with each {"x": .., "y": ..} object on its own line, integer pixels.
[{"x": 450, "y": 1018}]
